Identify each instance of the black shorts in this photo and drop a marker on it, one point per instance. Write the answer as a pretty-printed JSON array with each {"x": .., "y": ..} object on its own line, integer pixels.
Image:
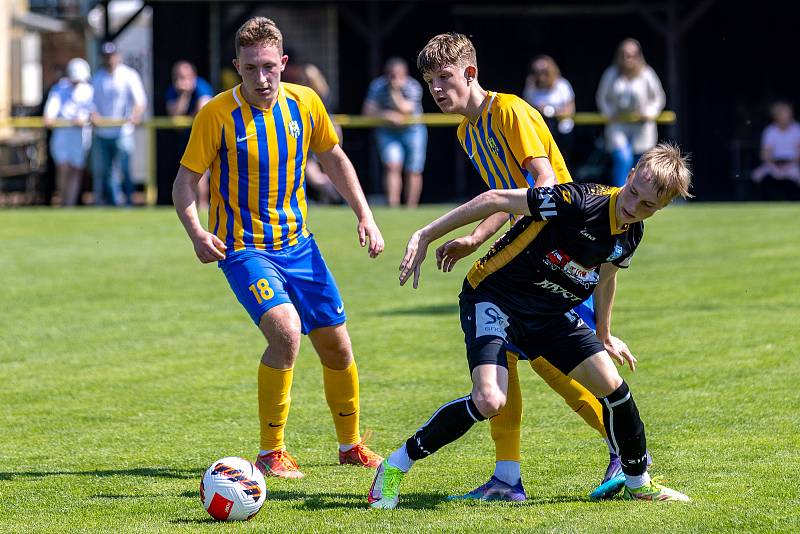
[{"x": 491, "y": 328}]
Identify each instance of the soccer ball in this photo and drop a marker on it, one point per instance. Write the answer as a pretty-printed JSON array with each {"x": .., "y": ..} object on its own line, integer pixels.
[{"x": 232, "y": 489}]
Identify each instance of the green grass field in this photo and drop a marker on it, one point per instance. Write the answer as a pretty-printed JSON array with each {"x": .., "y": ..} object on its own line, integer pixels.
[{"x": 127, "y": 368}]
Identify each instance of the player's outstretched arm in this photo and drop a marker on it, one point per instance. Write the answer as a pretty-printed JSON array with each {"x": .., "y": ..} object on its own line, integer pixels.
[
  {"x": 343, "y": 176},
  {"x": 207, "y": 246},
  {"x": 603, "y": 303},
  {"x": 480, "y": 207},
  {"x": 453, "y": 250},
  {"x": 448, "y": 254}
]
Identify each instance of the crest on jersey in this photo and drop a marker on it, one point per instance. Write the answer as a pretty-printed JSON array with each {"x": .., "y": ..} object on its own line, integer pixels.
[
  {"x": 493, "y": 146},
  {"x": 616, "y": 253},
  {"x": 294, "y": 129}
]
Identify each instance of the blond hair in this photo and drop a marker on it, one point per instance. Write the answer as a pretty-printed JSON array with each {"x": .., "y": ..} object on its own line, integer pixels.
[
  {"x": 668, "y": 171},
  {"x": 259, "y": 31},
  {"x": 444, "y": 50}
]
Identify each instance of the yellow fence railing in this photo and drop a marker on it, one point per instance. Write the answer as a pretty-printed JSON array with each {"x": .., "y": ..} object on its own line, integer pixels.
[{"x": 345, "y": 121}]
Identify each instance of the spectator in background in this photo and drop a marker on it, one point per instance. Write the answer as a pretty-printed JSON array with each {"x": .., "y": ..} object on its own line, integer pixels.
[
  {"x": 778, "y": 177},
  {"x": 118, "y": 95},
  {"x": 309, "y": 75},
  {"x": 71, "y": 100},
  {"x": 553, "y": 97},
  {"x": 395, "y": 97},
  {"x": 187, "y": 94},
  {"x": 628, "y": 89}
]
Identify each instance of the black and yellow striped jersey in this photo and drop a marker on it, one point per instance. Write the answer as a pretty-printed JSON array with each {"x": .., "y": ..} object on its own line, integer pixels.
[{"x": 550, "y": 260}]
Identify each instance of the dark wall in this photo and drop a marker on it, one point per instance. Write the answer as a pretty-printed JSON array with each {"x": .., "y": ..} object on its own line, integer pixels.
[
  {"x": 737, "y": 64},
  {"x": 180, "y": 32}
]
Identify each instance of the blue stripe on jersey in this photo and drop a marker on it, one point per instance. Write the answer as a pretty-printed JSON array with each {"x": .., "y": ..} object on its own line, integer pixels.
[
  {"x": 497, "y": 174},
  {"x": 224, "y": 176},
  {"x": 283, "y": 155},
  {"x": 311, "y": 120},
  {"x": 470, "y": 149},
  {"x": 241, "y": 163},
  {"x": 482, "y": 155},
  {"x": 507, "y": 177},
  {"x": 529, "y": 178},
  {"x": 263, "y": 174},
  {"x": 294, "y": 111}
]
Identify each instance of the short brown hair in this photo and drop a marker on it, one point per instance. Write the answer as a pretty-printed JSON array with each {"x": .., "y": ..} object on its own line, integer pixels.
[
  {"x": 669, "y": 170},
  {"x": 446, "y": 49},
  {"x": 259, "y": 30}
]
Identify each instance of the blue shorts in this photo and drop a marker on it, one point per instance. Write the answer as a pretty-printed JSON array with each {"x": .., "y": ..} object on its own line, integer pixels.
[
  {"x": 404, "y": 145},
  {"x": 262, "y": 279}
]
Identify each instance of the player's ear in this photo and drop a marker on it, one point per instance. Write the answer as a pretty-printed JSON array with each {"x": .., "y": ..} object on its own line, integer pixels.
[
  {"x": 470, "y": 73},
  {"x": 236, "y": 65}
]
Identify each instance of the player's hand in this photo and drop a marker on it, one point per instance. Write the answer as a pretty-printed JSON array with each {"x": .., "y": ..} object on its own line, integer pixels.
[
  {"x": 209, "y": 247},
  {"x": 416, "y": 250},
  {"x": 448, "y": 254},
  {"x": 620, "y": 352},
  {"x": 368, "y": 232}
]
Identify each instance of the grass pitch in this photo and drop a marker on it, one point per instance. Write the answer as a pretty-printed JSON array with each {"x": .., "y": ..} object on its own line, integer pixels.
[{"x": 127, "y": 368}]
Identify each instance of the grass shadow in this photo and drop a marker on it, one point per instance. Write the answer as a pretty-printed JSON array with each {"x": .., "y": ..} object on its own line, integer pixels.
[
  {"x": 158, "y": 472},
  {"x": 430, "y": 309},
  {"x": 324, "y": 501}
]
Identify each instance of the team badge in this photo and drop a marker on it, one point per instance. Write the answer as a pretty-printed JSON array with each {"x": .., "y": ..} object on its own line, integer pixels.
[
  {"x": 294, "y": 129},
  {"x": 493, "y": 146},
  {"x": 617, "y": 253}
]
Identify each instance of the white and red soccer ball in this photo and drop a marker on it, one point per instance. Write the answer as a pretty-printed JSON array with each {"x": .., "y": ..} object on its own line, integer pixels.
[{"x": 232, "y": 489}]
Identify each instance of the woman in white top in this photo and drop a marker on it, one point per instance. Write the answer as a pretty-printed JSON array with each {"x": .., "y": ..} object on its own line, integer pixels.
[
  {"x": 553, "y": 97},
  {"x": 779, "y": 173},
  {"x": 71, "y": 99},
  {"x": 628, "y": 89}
]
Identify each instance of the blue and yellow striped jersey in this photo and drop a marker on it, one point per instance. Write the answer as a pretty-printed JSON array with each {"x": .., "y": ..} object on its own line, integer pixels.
[
  {"x": 257, "y": 161},
  {"x": 509, "y": 132}
]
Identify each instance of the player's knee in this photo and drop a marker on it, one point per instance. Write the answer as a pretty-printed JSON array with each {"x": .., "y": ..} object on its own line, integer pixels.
[
  {"x": 283, "y": 341},
  {"x": 608, "y": 385},
  {"x": 489, "y": 401}
]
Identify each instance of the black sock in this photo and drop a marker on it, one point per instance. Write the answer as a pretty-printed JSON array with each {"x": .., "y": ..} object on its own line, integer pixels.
[
  {"x": 625, "y": 430},
  {"x": 449, "y": 423}
]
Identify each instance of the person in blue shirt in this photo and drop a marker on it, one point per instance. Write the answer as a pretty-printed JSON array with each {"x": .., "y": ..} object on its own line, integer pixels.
[
  {"x": 187, "y": 94},
  {"x": 396, "y": 97}
]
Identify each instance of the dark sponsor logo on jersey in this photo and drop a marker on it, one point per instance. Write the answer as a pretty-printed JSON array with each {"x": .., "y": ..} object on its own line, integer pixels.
[
  {"x": 566, "y": 195},
  {"x": 552, "y": 287},
  {"x": 587, "y": 235}
]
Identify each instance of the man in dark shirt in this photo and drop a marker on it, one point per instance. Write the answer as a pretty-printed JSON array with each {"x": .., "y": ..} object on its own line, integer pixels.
[{"x": 568, "y": 246}]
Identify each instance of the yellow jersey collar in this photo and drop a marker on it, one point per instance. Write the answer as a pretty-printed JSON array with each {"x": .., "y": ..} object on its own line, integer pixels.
[{"x": 612, "y": 213}]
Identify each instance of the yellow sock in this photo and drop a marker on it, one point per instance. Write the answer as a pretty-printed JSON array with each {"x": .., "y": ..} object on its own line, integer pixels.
[
  {"x": 575, "y": 395},
  {"x": 274, "y": 398},
  {"x": 505, "y": 426},
  {"x": 341, "y": 392}
]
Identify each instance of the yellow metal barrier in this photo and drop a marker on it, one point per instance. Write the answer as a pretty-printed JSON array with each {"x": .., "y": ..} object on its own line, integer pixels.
[{"x": 345, "y": 121}]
